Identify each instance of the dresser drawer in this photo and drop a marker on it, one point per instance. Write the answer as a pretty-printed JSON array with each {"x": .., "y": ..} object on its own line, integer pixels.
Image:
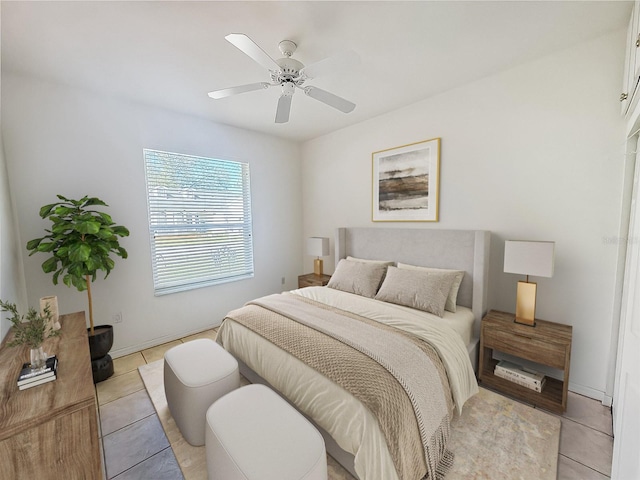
[{"x": 525, "y": 346}]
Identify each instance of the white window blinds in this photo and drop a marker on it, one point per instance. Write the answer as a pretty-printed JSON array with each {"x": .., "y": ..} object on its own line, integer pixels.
[{"x": 199, "y": 221}]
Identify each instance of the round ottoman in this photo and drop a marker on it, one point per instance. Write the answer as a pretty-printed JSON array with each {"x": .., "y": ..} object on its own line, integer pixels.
[
  {"x": 196, "y": 374},
  {"x": 254, "y": 434}
]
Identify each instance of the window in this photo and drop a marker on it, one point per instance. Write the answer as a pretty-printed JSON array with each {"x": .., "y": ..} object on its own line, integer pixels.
[{"x": 199, "y": 221}]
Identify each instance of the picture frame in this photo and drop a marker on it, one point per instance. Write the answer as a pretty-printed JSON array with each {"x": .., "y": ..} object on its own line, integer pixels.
[{"x": 406, "y": 183}]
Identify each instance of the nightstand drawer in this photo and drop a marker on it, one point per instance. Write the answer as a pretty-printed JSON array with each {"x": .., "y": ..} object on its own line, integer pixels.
[
  {"x": 525, "y": 346},
  {"x": 313, "y": 280}
]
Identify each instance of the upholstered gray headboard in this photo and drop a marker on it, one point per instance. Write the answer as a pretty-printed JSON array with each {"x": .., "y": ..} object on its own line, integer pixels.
[{"x": 466, "y": 250}]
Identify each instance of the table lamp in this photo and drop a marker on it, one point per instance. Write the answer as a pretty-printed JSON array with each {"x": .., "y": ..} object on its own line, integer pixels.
[
  {"x": 528, "y": 258},
  {"x": 318, "y": 247}
]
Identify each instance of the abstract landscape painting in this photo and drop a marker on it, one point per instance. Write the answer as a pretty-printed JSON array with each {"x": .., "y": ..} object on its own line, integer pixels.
[{"x": 406, "y": 182}]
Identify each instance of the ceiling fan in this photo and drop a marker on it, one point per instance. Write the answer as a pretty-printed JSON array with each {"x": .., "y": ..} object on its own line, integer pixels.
[{"x": 290, "y": 74}]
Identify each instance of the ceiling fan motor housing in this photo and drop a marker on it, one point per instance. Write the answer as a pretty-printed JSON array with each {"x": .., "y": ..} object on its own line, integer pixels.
[{"x": 289, "y": 69}]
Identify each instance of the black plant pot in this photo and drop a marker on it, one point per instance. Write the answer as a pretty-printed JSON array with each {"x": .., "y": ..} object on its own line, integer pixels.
[
  {"x": 102, "y": 368},
  {"x": 101, "y": 341},
  {"x": 99, "y": 345}
]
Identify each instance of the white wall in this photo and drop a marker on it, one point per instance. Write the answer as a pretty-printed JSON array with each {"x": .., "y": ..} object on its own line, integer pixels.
[
  {"x": 532, "y": 153},
  {"x": 65, "y": 141},
  {"x": 12, "y": 287}
]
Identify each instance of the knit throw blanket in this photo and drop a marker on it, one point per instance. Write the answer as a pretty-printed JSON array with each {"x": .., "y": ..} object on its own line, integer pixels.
[{"x": 397, "y": 376}]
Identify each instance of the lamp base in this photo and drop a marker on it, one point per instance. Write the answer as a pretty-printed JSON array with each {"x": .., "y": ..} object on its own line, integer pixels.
[
  {"x": 317, "y": 266},
  {"x": 526, "y": 303}
]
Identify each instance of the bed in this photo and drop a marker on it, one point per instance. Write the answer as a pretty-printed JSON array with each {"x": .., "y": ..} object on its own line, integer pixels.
[{"x": 357, "y": 438}]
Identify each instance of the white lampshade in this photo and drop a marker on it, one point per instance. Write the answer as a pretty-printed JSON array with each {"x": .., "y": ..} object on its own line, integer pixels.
[
  {"x": 529, "y": 258},
  {"x": 318, "y": 246}
]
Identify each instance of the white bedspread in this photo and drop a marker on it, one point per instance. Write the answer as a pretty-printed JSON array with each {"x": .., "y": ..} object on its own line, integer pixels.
[{"x": 345, "y": 418}]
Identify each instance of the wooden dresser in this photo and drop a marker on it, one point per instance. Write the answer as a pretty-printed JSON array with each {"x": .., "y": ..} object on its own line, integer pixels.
[{"x": 50, "y": 431}]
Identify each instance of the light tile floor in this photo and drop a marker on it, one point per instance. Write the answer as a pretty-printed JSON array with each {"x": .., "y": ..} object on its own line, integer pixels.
[{"x": 135, "y": 446}]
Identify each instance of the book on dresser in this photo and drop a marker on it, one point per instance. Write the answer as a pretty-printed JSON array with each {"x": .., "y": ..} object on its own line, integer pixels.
[
  {"x": 520, "y": 375},
  {"x": 30, "y": 378}
]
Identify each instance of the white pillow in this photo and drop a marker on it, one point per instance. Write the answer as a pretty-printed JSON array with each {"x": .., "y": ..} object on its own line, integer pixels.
[
  {"x": 452, "y": 298},
  {"x": 361, "y": 278},
  {"x": 417, "y": 289}
]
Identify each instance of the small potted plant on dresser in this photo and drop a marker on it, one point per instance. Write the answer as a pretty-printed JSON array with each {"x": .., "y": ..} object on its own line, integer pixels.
[
  {"x": 81, "y": 242},
  {"x": 31, "y": 330}
]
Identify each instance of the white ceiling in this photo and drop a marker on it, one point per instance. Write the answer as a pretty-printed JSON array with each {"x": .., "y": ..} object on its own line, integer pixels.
[{"x": 170, "y": 54}]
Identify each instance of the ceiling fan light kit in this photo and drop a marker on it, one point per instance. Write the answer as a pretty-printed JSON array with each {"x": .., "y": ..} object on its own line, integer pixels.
[{"x": 290, "y": 74}]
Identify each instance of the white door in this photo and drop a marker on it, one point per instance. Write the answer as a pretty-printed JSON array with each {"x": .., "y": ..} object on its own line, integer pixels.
[{"x": 626, "y": 445}]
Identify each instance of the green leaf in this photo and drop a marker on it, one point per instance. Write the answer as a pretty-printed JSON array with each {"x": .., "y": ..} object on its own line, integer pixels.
[
  {"x": 63, "y": 210},
  {"x": 93, "y": 263},
  {"x": 46, "y": 246},
  {"x": 89, "y": 227},
  {"x": 55, "y": 277},
  {"x": 120, "y": 230},
  {"x": 63, "y": 198},
  {"x": 79, "y": 282},
  {"x": 79, "y": 252},
  {"x": 67, "y": 280},
  {"x": 93, "y": 201},
  {"x": 105, "y": 233},
  {"x": 61, "y": 227},
  {"x": 46, "y": 210},
  {"x": 122, "y": 252},
  {"x": 106, "y": 217},
  {"x": 50, "y": 265},
  {"x": 33, "y": 244},
  {"x": 109, "y": 264},
  {"x": 62, "y": 252}
]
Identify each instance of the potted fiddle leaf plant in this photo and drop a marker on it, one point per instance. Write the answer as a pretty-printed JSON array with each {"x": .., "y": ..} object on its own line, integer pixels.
[
  {"x": 81, "y": 242},
  {"x": 31, "y": 330}
]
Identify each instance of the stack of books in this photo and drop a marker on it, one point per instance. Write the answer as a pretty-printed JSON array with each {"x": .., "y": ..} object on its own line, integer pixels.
[
  {"x": 520, "y": 375},
  {"x": 30, "y": 378}
]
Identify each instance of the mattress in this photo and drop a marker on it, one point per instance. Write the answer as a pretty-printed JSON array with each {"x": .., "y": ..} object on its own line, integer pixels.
[{"x": 345, "y": 418}]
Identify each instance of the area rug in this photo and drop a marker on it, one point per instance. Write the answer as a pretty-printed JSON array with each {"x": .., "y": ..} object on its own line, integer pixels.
[{"x": 494, "y": 438}]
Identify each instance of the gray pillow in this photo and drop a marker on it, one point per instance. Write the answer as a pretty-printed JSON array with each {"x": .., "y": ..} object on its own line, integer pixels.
[
  {"x": 452, "y": 299},
  {"x": 361, "y": 278},
  {"x": 422, "y": 290},
  {"x": 381, "y": 262}
]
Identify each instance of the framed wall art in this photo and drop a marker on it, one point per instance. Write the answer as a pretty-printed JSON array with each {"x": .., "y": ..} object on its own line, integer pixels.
[{"x": 406, "y": 185}]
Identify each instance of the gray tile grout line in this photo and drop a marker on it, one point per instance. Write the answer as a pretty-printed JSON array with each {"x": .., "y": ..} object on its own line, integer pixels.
[
  {"x": 586, "y": 466},
  {"x": 142, "y": 461},
  {"x": 586, "y": 426},
  {"x": 132, "y": 423}
]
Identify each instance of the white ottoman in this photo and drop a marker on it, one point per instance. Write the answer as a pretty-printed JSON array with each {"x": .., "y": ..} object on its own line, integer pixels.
[
  {"x": 196, "y": 374},
  {"x": 254, "y": 434}
]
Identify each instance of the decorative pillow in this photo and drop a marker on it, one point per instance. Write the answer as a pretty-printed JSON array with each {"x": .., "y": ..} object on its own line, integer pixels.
[
  {"x": 364, "y": 260},
  {"x": 361, "y": 278},
  {"x": 452, "y": 299},
  {"x": 417, "y": 289}
]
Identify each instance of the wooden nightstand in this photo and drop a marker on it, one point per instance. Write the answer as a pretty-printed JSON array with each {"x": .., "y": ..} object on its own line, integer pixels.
[
  {"x": 547, "y": 343},
  {"x": 313, "y": 280}
]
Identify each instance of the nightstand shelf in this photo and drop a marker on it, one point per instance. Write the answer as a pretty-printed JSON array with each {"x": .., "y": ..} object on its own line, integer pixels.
[
  {"x": 313, "y": 280},
  {"x": 546, "y": 344}
]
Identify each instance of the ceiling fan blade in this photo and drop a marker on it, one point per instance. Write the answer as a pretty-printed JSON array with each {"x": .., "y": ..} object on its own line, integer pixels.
[
  {"x": 227, "y": 92},
  {"x": 330, "y": 99},
  {"x": 336, "y": 63},
  {"x": 284, "y": 108},
  {"x": 251, "y": 49}
]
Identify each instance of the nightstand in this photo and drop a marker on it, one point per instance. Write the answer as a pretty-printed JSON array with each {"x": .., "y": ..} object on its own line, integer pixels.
[
  {"x": 547, "y": 344},
  {"x": 313, "y": 280}
]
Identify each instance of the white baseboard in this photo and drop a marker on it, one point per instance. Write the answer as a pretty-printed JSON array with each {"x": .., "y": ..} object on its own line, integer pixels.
[
  {"x": 121, "y": 352},
  {"x": 591, "y": 393}
]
